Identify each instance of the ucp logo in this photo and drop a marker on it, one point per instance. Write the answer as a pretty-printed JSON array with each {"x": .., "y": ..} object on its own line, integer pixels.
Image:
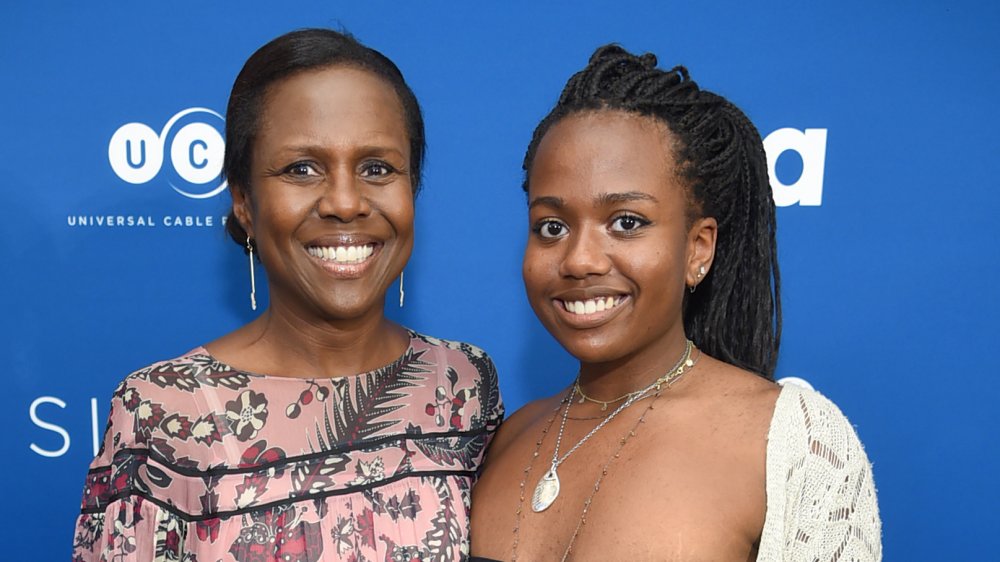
[
  {"x": 196, "y": 148},
  {"x": 811, "y": 147}
]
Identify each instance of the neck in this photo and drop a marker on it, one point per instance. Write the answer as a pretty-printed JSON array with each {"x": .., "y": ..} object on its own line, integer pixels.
[
  {"x": 616, "y": 378},
  {"x": 297, "y": 344}
]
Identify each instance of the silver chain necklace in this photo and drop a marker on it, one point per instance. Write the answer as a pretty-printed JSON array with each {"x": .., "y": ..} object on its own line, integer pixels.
[{"x": 547, "y": 489}]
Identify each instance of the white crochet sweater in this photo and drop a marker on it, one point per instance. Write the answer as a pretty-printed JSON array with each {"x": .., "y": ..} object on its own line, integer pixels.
[{"x": 821, "y": 503}]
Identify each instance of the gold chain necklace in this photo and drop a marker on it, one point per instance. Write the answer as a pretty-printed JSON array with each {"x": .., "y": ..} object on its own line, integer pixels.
[
  {"x": 547, "y": 489},
  {"x": 604, "y": 403},
  {"x": 684, "y": 364}
]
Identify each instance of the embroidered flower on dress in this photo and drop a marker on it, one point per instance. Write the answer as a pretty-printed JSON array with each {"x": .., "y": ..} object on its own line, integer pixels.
[{"x": 246, "y": 415}]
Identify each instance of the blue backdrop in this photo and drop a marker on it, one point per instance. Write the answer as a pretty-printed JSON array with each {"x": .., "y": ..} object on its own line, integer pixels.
[{"x": 881, "y": 118}]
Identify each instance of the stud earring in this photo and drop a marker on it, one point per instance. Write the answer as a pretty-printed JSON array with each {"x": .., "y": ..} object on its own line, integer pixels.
[
  {"x": 701, "y": 273},
  {"x": 253, "y": 282},
  {"x": 402, "y": 294}
]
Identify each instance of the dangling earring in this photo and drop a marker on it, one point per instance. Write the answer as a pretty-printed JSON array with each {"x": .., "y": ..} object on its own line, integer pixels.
[
  {"x": 253, "y": 282},
  {"x": 402, "y": 294}
]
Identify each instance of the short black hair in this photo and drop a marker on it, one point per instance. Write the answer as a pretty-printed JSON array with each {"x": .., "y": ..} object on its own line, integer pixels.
[
  {"x": 735, "y": 313},
  {"x": 289, "y": 54}
]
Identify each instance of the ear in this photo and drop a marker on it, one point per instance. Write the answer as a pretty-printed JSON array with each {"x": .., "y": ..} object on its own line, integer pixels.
[
  {"x": 700, "y": 249},
  {"x": 242, "y": 207}
]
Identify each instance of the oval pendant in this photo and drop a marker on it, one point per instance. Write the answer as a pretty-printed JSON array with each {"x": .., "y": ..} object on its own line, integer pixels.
[{"x": 546, "y": 491}]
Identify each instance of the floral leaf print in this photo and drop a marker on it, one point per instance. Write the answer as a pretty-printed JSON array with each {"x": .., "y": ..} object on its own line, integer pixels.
[
  {"x": 255, "y": 484},
  {"x": 450, "y": 408},
  {"x": 193, "y": 372},
  {"x": 445, "y": 534},
  {"x": 464, "y": 450},
  {"x": 406, "y": 506},
  {"x": 89, "y": 529},
  {"x": 312, "y": 391},
  {"x": 316, "y": 475},
  {"x": 359, "y": 416},
  {"x": 368, "y": 472},
  {"x": 401, "y": 553},
  {"x": 366, "y": 527},
  {"x": 177, "y": 426},
  {"x": 321, "y": 507},
  {"x": 342, "y": 534},
  {"x": 209, "y": 429},
  {"x": 278, "y": 534},
  {"x": 246, "y": 414},
  {"x": 208, "y": 530},
  {"x": 148, "y": 416},
  {"x": 259, "y": 454},
  {"x": 161, "y": 448},
  {"x": 121, "y": 542},
  {"x": 169, "y": 538}
]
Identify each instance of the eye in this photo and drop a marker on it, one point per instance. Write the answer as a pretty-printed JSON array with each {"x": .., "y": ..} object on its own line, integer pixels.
[
  {"x": 376, "y": 169},
  {"x": 628, "y": 223},
  {"x": 301, "y": 170},
  {"x": 550, "y": 229}
]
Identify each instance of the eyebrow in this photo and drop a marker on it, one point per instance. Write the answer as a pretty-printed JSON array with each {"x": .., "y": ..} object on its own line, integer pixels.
[
  {"x": 373, "y": 149},
  {"x": 603, "y": 199},
  {"x": 555, "y": 202},
  {"x": 624, "y": 197}
]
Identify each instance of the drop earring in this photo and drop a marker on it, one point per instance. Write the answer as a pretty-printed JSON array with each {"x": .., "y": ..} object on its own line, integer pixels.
[
  {"x": 253, "y": 282},
  {"x": 402, "y": 294}
]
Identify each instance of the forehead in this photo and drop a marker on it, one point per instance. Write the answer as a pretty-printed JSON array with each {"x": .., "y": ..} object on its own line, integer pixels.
[
  {"x": 605, "y": 151},
  {"x": 319, "y": 100}
]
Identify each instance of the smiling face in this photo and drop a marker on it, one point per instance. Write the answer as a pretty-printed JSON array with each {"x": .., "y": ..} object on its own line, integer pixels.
[
  {"x": 330, "y": 205},
  {"x": 611, "y": 249}
]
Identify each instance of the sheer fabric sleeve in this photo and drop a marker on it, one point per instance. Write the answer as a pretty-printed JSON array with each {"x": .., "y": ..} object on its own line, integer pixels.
[
  {"x": 491, "y": 400},
  {"x": 114, "y": 524},
  {"x": 821, "y": 502}
]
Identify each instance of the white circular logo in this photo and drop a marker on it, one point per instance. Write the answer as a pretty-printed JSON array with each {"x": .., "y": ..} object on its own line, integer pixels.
[
  {"x": 197, "y": 152},
  {"x": 135, "y": 153},
  {"x": 196, "y": 147}
]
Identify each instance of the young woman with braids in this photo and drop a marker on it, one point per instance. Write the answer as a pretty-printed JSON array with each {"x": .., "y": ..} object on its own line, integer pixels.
[{"x": 652, "y": 260}]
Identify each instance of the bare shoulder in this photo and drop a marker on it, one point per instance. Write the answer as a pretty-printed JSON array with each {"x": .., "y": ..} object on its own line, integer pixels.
[
  {"x": 737, "y": 390},
  {"x": 521, "y": 422}
]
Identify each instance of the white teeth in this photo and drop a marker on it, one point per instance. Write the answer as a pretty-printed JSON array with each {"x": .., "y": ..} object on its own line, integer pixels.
[
  {"x": 342, "y": 254},
  {"x": 591, "y": 306}
]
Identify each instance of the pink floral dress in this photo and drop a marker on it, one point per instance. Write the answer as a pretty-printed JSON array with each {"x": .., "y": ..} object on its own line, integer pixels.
[{"x": 205, "y": 463}]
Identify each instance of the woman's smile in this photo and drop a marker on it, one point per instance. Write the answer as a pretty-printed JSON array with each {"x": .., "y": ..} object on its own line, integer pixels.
[{"x": 585, "y": 312}]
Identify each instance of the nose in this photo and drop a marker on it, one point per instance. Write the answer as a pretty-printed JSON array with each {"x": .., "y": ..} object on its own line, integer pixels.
[
  {"x": 586, "y": 255},
  {"x": 343, "y": 198}
]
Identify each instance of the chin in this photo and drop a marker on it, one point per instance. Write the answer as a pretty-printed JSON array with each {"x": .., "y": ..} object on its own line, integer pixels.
[
  {"x": 593, "y": 349},
  {"x": 348, "y": 309}
]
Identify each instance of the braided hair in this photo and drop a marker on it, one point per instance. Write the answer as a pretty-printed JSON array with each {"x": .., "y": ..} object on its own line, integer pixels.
[{"x": 735, "y": 313}]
